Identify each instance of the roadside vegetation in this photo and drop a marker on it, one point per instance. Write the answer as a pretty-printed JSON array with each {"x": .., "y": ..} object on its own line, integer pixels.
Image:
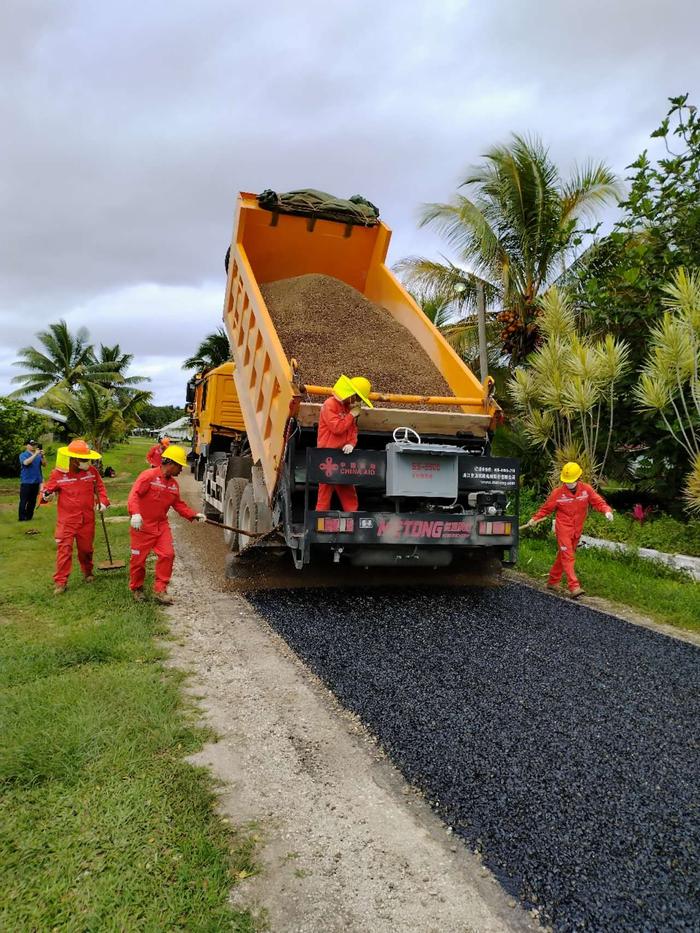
[
  {"x": 105, "y": 824},
  {"x": 594, "y": 339}
]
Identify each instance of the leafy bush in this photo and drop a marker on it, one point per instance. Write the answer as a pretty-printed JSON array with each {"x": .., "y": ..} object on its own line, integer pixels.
[
  {"x": 17, "y": 425},
  {"x": 661, "y": 532}
]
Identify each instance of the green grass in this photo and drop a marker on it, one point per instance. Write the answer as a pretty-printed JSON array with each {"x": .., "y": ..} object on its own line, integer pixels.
[
  {"x": 647, "y": 586},
  {"x": 105, "y": 825}
]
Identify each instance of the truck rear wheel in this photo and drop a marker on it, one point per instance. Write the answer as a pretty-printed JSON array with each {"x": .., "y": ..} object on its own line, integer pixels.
[
  {"x": 232, "y": 504},
  {"x": 253, "y": 516}
]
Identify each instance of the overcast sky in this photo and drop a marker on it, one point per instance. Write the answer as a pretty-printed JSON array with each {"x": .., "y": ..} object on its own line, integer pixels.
[{"x": 128, "y": 127}]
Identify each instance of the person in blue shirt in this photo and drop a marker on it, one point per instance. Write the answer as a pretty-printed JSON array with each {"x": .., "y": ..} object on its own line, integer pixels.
[{"x": 31, "y": 461}]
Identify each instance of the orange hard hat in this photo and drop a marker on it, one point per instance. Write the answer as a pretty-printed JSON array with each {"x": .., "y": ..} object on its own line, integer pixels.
[
  {"x": 77, "y": 448},
  {"x": 165, "y": 441}
]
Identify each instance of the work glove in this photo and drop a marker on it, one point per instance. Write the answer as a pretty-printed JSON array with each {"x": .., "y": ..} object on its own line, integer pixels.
[
  {"x": 101, "y": 507},
  {"x": 46, "y": 496},
  {"x": 530, "y": 523},
  {"x": 609, "y": 516},
  {"x": 200, "y": 517},
  {"x": 355, "y": 410},
  {"x": 348, "y": 449},
  {"x": 136, "y": 521}
]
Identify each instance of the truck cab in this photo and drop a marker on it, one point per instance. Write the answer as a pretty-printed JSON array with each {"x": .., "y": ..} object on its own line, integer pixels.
[{"x": 217, "y": 425}]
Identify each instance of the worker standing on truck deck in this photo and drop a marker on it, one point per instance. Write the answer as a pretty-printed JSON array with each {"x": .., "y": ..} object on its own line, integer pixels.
[
  {"x": 337, "y": 430},
  {"x": 152, "y": 495},
  {"x": 570, "y": 503},
  {"x": 80, "y": 492},
  {"x": 31, "y": 461},
  {"x": 155, "y": 454}
]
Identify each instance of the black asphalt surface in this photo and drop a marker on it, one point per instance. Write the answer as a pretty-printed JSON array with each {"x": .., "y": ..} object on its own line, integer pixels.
[{"x": 561, "y": 743}]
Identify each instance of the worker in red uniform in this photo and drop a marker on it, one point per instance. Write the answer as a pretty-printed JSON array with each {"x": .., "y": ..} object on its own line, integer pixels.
[
  {"x": 337, "y": 430},
  {"x": 152, "y": 495},
  {"x": 570, "y": 503},
  {"x": 80, "y": 492},
  {"x": 155, "y": 454}
]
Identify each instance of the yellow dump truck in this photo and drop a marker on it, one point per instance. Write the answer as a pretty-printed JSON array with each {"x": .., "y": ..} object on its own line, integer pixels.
[
  {"x": 429, "y": 492},
  {"x": 217, "y": 424}
]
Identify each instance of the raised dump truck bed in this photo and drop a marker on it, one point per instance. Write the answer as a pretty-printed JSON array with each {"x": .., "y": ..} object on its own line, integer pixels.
[{"x": 453, "y": 499}]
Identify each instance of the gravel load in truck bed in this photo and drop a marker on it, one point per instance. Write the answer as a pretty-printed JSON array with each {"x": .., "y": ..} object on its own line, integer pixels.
[
  {"x": 331, "y": 328},
  {"x": 561, "y": 743}
]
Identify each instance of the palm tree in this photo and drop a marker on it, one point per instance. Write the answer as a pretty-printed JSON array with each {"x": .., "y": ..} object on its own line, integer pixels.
[
  {"x": 445, "y": 308},
  {"x": 68, "y": 361},
  {"x": 118, "y": 362},
  {"x": 95, "y": 414},
  {"x": 212, "y": 351},
  {"x": 113, "y": 365},
  {"x": 516, "y": 229}
]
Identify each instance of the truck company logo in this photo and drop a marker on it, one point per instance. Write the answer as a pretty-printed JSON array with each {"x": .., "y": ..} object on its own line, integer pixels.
[
  {"x": 402, "y": 528},
  {"x": 329, "y": 467},
  {"x": 347, "y": 468}
]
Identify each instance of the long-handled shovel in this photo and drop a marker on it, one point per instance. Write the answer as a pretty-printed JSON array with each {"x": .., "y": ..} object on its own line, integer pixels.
[
  {"x": 238, "y": 531},
  {"x": 109, "y": 564},
  {"x": 528, "y": 525}
]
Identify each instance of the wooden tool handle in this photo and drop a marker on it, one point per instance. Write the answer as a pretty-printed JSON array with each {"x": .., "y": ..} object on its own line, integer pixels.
[
  {"x": 238, "y": 531},
  {"x": 528, "y": 525}
]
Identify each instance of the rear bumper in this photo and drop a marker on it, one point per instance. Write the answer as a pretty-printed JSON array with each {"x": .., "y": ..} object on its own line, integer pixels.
[{"x": 387, "y": 529}]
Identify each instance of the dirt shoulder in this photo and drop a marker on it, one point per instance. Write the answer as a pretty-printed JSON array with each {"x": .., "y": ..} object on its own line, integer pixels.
[{"x": 346, "y": 845}]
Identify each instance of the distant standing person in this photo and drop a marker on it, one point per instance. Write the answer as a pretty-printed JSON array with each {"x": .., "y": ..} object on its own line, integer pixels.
[
  {"x": 570, "y": 503},
  {"x": 155, "y": 454},
  {"x": 31, "y": 461}
]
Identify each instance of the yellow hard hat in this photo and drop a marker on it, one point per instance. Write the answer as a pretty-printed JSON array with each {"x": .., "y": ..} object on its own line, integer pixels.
[
  {"x": 359, "y": 386},
  {"x": 570, "y": 472},
  {"x": 175, "y": 453},
  {"x": 363, "y": 387}
]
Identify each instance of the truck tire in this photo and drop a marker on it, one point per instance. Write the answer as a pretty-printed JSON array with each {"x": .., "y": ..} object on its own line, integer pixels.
[
  {"x": 252, "y": 516},
  {"x": 232, "y": 503}
]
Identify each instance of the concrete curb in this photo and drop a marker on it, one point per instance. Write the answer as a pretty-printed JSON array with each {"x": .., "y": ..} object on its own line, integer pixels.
[{"x": 690, "y": 565}]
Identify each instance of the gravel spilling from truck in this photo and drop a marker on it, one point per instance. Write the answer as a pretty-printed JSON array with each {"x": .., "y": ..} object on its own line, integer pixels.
[
  {"x": 331, "y": 328},
  {"x": 561, "y": 743}
]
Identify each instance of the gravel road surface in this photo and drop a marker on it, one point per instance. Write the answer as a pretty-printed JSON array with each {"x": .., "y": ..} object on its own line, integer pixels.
[{"x": 561, "y": 743}]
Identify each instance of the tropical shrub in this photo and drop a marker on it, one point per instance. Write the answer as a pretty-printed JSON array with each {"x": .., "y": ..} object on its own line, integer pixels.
[
  {"x": 17, "y": 426},
  {"x": 669, "y": 384},
  {"x": 565, "y": 395}
]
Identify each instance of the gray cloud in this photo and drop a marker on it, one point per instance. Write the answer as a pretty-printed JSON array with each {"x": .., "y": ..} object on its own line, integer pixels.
[{"x": 128, "y": 129}]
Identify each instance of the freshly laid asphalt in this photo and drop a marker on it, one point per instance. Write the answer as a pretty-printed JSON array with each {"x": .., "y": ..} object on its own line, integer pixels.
[{"x": 561, "y": 743}]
